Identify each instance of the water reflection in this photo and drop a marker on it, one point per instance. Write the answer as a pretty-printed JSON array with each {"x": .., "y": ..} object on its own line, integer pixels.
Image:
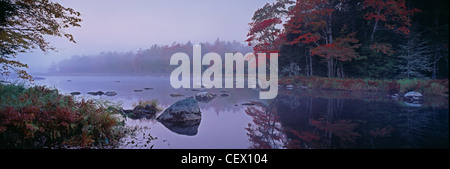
[
  {"x": 189, "y": 128},
  {"x": 266, "y": 131},
  {"x": 322, "y": 122},
  {"x": 295, "y": 119}
]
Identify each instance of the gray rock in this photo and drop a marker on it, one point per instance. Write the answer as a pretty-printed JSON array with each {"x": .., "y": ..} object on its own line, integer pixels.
[
  {"x": 182, "y": 111},
  {"x": 413, "y": 96},
  {"x": 96, "y": 93},
  {"x": 205, "y": 97},
  {"x": 75, "y": 93},
  {"x": 289, "y": 87},
  {"x": 110, "y": 94},
  {"x": 176, "y": 94},
  {"x": 148, "y": 111}
]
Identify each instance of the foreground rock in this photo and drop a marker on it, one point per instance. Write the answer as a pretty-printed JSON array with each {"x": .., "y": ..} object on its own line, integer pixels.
[
  {"x": 204, "y": 97},
  {"x": 182, "y": 111}
]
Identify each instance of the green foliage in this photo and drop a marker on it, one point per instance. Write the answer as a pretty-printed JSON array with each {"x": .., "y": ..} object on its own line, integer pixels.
[{"x": 39, "y": 117}]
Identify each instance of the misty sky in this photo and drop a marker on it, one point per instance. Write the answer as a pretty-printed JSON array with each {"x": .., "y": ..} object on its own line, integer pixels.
[{"x": 130, "y": 25}]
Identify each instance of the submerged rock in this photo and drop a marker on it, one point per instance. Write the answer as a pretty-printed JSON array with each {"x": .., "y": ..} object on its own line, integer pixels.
[
  {"x": 182, "y": 111},
  {"x": 176, "y": 94},
  {"x": 110, "y": 94},
  {"x": 38, "y": 78},
  {"x": 75, "y": 93},
  {"x": 96, "y": 93},
  {"x": 204, "y": 97}
]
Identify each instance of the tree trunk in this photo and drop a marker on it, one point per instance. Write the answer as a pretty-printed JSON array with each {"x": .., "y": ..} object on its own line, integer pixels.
[
  {"x": 310, "y": 65},
  {"x": 330, "y": 41},
  {"x": 433, "y": 76},
  {"x": 306, "y": 66},
  {"x": 374, "y": 27}
]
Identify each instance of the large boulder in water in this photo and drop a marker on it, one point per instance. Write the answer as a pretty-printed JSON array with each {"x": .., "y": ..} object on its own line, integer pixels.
[{"x": 182, "y": 111}]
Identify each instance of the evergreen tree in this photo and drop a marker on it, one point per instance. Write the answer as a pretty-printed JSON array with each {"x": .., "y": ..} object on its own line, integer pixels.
[{"x": 414, "y": 57}]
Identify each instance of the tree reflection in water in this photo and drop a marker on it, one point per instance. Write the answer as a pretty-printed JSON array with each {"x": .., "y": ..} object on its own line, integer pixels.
[{"x": 266, "y": 131}]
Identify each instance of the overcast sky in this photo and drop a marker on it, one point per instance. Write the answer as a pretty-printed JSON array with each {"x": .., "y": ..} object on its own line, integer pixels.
[{"x": 130, "y": 25}]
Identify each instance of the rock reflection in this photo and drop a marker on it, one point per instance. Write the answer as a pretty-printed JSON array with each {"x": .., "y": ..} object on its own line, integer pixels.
[{"x": 189, "y": 128}]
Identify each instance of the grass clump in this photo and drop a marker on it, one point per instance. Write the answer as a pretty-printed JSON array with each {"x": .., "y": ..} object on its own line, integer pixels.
[{"x": 154, "y": 103}]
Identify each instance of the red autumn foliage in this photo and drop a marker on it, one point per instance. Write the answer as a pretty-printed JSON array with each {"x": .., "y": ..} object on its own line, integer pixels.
[
  {"x": 266, "y": 131},
  {"x": 383, "y": 132},
  {"x": 40, "y": 117},
  {"x": 393, "y": 13}
]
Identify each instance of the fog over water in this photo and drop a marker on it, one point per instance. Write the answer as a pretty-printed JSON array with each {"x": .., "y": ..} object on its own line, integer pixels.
[{"x": 123, "y": 26}]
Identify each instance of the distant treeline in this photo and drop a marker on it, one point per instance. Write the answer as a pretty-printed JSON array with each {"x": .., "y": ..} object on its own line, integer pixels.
[{"x": 153, "y": 60}]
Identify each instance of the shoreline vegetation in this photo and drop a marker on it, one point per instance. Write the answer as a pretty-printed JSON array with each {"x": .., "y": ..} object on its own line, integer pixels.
[
  {"x": 436, "y": 87},
  {"x": 39, "y": 117}
]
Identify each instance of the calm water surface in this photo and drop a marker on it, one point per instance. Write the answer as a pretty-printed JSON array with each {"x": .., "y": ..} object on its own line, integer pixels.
[{"x": 295, "y": 119}]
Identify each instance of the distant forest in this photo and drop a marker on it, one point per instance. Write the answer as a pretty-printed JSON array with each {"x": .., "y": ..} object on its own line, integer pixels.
[
  {"x": 375, "y": 39},
  {"x": 145, "y": 61}
]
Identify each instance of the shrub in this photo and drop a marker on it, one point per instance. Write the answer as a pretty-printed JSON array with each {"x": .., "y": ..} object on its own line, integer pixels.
[{"x": 39, "y": 117}]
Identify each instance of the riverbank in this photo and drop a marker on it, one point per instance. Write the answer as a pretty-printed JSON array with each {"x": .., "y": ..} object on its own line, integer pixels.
[{"x": 437, "y": 87}]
